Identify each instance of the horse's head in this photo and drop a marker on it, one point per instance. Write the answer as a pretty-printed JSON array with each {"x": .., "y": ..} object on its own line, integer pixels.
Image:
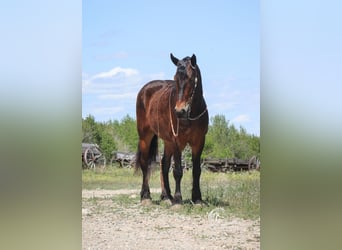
[{"x": 186, "y": 79}]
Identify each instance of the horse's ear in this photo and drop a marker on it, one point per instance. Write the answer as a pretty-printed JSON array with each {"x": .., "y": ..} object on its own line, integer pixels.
[
  {"x": 174, "y": 59},
  {"x": 193, "y": 61}
]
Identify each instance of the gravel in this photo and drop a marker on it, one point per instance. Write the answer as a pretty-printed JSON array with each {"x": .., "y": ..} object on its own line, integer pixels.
[{"x": 107, "y": 224}]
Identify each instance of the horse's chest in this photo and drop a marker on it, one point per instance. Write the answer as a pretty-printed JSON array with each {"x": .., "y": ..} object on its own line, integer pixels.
[{"x": 185, "y": 131}]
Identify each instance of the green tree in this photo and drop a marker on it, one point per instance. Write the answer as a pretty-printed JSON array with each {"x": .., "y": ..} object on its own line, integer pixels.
[
  {"x": 107, "y": 142},
  {"x": 90, "y": 133},
  {"x": 129, "y": 132},
  {"x": 125, "y": 133},
  {"x": 217, "y": 138},
  {"x": 224, "y": 140},
  {"x": 98, "y": 133}
]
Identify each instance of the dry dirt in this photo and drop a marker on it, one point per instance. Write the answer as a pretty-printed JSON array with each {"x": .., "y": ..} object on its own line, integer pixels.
[{"x": 108, "y": 225}]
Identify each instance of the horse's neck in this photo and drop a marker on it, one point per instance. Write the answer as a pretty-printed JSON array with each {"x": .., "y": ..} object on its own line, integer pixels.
[
  {"x": 199, "y": 91},
  {"x": 198, "y": 97},
  {"x": 198, "y": 105}
]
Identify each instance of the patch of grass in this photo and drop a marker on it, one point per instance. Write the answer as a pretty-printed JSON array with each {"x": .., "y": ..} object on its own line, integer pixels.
[
  {"x": 124, "y": 200},
  {"x": 226, "y": 194},
  {"x": 115, "y": 178},
  {"x": 237, "y": 193}
]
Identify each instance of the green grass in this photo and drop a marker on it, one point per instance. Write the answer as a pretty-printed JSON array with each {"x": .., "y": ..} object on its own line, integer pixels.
[
  {"x": 226, "y": 194},
  {"x": 116, "y": 178},
  {"x": 110, "y": 178}
]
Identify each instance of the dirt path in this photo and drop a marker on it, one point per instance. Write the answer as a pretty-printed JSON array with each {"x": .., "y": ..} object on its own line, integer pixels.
[{"x": 109, "y": 225}]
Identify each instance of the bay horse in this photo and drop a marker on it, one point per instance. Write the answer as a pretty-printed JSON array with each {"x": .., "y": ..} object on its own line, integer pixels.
[{"x": 175, "y": 111}]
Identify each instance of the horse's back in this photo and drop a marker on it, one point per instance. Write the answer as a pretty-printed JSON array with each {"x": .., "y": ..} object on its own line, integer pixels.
[
  {"x": 149, "y": 91},
  {"x": 155, "y": 85}
]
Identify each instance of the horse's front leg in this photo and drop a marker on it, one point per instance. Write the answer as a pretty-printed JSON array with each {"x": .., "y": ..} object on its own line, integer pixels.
[
  {"x": 196, "y": 173},
  {"x": 178, "y": 174}
]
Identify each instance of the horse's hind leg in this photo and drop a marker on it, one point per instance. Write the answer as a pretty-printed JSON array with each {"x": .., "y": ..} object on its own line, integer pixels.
[
  {"x": 143, "y": 161},
  {"x": 164, "y": 176}
]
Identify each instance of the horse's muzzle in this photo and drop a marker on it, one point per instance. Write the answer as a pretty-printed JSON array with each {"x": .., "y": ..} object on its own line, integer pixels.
[{"x": 182, "y": 112}]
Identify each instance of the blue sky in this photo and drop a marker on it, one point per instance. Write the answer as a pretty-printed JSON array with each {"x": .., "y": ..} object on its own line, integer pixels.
[{"x": 125, "y": 45}]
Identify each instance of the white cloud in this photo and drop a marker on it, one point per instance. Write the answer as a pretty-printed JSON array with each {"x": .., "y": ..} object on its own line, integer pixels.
[
  {"x": 115, "y": 81},
  {"x": 112, "y": 94},
  {"x": 116, "y": 71}
]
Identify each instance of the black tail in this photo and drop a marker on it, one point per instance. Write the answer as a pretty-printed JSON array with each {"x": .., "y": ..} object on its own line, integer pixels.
[{"x": 152, "y": 154}]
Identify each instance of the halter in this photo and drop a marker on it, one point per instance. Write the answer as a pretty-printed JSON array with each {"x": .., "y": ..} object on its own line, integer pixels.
[
  {"x": 175, "y": 134},
  {"x": 191, "y": 99}
]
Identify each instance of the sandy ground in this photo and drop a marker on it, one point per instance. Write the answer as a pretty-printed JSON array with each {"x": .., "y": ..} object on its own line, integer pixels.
[{"x": 108, "y": 225}]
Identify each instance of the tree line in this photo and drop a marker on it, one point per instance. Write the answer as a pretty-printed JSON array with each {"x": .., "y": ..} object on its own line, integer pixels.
[{"x": 223, "y": 139}]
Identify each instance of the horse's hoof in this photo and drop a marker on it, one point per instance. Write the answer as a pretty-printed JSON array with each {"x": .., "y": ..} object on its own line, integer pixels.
[
  {"x": 199, "y": 203},
  {"x": 146, "y": 202},
  {"x": 177, "y": 199},
  {"x": 167, "y": 202}
]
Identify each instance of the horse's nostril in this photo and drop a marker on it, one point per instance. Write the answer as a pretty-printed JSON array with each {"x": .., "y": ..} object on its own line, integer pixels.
[{"x": 180, "y": 112}]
